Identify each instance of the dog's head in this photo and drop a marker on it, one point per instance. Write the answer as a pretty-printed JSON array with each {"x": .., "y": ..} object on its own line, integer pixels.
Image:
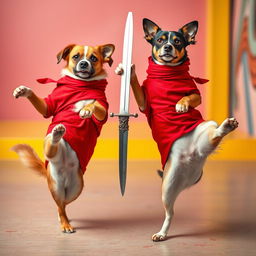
[
  {"x": 169, "y": 47},
  {"x": 86, "y": 62}
]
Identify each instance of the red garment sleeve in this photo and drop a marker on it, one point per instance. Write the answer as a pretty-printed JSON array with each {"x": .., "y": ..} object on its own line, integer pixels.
[{"x": 193, "y": 90}]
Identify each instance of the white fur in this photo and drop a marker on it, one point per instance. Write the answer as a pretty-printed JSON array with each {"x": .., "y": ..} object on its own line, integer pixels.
[
  {"x": 81, "y": 104},
  {"x": 85, "y": 51},
  {"x": 22, "y": 91},
  {"x": 66, "y": 72},
  {"x": 64, "y": 167},
  {"x": 184, "y": 166}
]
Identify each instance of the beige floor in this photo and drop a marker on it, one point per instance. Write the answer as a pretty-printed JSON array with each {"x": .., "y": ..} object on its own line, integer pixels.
[{"x": 216, "y": 217}]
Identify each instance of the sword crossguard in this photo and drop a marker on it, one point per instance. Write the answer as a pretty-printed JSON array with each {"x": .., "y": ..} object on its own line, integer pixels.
[{"x": 124, "y": 115}]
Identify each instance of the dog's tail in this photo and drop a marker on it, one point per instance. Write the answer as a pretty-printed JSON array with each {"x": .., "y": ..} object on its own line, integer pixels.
[
  {"x": 160, "y": 173},
  {"x": 29, "y": 158}
]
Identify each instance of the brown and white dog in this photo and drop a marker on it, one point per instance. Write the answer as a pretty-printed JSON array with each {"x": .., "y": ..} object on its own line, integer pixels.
[
  {"x": 66, "y": 164},
  {"x": 188, "y": 153}
]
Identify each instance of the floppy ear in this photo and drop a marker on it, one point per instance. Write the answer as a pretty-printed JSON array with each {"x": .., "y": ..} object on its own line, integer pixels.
[
  {"x": 107, "y": 51},
  {"x": 150, "y": 30},
  {"x": 189, "y": 32},
  {"x": 64, "y": 53}
]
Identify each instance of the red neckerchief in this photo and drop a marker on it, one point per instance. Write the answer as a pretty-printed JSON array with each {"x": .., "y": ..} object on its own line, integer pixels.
[
  {"x": 75, "y": 83},
  {"x": 180, "y": 72}
]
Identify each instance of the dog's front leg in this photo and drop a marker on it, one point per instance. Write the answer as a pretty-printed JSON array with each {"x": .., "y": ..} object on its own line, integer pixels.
[
  {"x": 37, "y": 102},
  {"x": 192, "y": 100},
  {"x": 136, "y": 88},
  {"x": 94, "y": 108}
]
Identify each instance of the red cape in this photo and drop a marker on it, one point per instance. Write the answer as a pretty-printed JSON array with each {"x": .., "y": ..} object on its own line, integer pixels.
[
  {"x": 163, "y": 88},
  {"x": 81, "y": 134}
]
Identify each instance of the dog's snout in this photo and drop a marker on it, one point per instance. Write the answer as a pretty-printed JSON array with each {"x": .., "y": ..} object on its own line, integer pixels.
[
  {"x": 168, "y": 47},
  {"x": 83, "y": 64}
]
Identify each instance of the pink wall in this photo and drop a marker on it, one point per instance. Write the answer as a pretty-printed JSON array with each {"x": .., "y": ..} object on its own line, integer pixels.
[{"x": 33, "y": 31}]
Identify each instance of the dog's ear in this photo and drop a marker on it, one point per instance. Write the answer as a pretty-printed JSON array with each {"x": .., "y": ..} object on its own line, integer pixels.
[
  {"x": 107, "y": 51},
  {"x": 150, "y": 30},
  {"x": 189, "y": 32},
  {"x": 63, "y": 54}
]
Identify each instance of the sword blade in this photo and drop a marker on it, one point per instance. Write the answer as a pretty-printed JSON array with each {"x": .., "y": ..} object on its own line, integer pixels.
[
  {"x": 126, "y": 62},
  {"x": 123, "y": 143}
]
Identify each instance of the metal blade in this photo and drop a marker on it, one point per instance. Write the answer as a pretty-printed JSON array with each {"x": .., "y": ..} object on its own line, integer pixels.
[
  {"x": 126, "y": 62},
  {"x": 124, "y": 101},
  {"x": 123, "y": 143}
]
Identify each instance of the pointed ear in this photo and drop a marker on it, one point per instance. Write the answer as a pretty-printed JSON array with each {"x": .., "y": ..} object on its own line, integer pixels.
[
  {"x": 63, "y": 54},
  {"x": 189, "y": 32},
  {"x": 150, "y": 30},
  {"x": 107, "y": 51}
]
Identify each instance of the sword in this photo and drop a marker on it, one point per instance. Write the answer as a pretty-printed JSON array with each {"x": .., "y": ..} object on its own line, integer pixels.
[{"x": 124, "y": 101}]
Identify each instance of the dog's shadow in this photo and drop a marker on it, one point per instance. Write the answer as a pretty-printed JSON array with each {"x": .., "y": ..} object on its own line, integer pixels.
[
  {"x": 244, "y": 228},
  {"x": 114, "y": 223}
]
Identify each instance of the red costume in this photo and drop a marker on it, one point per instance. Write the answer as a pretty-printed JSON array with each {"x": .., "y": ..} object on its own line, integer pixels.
[
  {"x": 81, "y": 134},
  {"x": 163, "y": 88}
]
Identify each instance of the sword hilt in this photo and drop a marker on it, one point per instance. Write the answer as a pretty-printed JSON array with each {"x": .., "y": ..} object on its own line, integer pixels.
[
  {"x": 123, "y": 115},
  {"x": 123, "y": 120}
]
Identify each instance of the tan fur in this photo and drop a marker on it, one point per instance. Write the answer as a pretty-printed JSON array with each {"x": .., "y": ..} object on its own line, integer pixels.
[
  {"x": 30, "y": 159},
  {"x": 63, "y": 173}
]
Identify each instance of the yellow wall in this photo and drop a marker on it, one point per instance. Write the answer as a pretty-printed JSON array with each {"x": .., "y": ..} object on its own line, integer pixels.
[{"x": 236, "y": 146}]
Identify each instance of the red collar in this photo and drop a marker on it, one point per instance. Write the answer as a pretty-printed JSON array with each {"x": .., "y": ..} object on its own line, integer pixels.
[{"x": 163, "y": 72}]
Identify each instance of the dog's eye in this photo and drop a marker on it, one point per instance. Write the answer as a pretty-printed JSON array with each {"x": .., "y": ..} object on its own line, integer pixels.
[
  {"x": 160, "y": 40},
  {"x": 93, "y": 58},
  {"x": 177, "y": 41},
  {"x": 75, "y": 57}
]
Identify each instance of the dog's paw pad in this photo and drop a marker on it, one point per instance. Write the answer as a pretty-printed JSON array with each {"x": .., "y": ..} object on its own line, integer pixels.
[
  {"x": 57, "y": 132},
  {"x": 229, "y": 125},
  {"x": 158, "y": 237}
]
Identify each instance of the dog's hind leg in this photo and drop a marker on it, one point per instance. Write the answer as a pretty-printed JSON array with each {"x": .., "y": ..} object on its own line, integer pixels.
[
  {"x": 173, "y": 184},
  {"x": 227, "y": 126},
  {"x": 62, "y": 172},
  {"x": 51, "y": 143},
  {"x": 64, "y": 222}
]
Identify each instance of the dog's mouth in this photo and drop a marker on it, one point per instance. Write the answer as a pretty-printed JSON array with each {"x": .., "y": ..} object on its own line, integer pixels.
[
  {"x": 168, "y": 57},
  {"x": 83, "y": 73}
]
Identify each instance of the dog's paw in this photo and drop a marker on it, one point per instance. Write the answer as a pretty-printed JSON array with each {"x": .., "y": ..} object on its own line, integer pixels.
[
  {"x": 158, "y": 237},
  {"x": 57, "y": 133},
  {"x": 181, "y": 108},
  {"x": 182, "y": 105},
  {"x": 22, "y": 91},
  {"x": 119, "y": 70},
  {"x": 228, "y": 126},
  {"x": 85, "y": 113},
  {"x": 67, "y": 228}
]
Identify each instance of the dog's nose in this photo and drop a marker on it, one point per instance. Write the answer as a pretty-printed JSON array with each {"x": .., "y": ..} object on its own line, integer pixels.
[
  {"x": 168, "y": 47},
  {"x": 83, "y": 64}
]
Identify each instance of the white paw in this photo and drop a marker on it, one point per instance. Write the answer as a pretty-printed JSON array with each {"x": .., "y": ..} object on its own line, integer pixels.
[
  {"x": 119, "y": 70},
  {"x": 228, "y": 125},
  {"x": 181, "y": 108},
  {"x": 81, "y": 104},
  {"x": 159, "y": 237},
  {"x": 85, "y": 113},
  {"x": 58, "y": 132},
  {"x": 22, "y": 91}
]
